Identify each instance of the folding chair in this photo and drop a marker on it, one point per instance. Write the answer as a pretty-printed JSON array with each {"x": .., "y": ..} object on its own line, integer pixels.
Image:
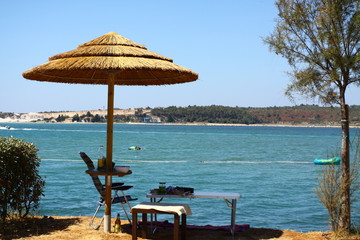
[{"x": 116, "y": 187}]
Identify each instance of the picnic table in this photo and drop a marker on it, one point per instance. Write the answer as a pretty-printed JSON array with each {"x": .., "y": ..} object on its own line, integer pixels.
[{"x": 229, "y": 198}]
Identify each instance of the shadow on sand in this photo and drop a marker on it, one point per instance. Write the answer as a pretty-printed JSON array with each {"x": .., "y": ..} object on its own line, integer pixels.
[
  {"x": 34, "y": 227},
  {"x": 37, "y": 226},
  {"x": 196, "y": 234}
]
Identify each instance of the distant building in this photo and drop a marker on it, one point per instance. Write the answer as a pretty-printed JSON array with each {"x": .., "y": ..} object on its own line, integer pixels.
[{"x": 151, "y": 120}]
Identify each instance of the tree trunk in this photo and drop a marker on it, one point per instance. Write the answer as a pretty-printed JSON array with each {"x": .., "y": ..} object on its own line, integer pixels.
[{"x": 344, "y": 219}]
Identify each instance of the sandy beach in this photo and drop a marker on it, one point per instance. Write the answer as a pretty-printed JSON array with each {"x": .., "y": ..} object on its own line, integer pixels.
[{"x": 77, "y": 228}]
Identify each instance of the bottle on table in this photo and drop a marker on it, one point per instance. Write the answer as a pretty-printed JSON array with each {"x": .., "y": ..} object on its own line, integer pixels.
[
  {"x": 101, "y": 158},
  {"x": 117, "y": 227},
  {"x": 162, "y": 187}
]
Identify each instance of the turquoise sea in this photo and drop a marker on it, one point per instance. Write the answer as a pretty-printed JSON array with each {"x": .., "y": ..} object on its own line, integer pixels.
[{"x": 271, "y": 167}]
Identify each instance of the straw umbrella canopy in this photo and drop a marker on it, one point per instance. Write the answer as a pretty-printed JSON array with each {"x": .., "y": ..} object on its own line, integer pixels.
[{"x": 111, "y": 60}]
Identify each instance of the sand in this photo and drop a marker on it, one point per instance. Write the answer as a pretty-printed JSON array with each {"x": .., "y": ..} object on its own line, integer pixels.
[{"x": 64, "y": 228}]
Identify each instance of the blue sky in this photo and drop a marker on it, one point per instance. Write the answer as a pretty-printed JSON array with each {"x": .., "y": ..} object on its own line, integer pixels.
[{"x": 220, "y": 40}]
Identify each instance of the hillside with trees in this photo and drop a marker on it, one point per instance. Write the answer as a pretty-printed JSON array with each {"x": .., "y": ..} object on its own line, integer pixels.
[
  {"x": 303, "y": 114},
  {"x": 209, "y": 114},
  {"x": 300, "y": 115}
]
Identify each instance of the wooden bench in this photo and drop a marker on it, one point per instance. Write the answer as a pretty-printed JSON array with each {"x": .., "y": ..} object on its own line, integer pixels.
[{"x": 177, "y": 209}]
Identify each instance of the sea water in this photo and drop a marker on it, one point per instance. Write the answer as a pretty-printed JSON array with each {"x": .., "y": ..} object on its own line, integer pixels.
[{"x": 270, "y": 167}]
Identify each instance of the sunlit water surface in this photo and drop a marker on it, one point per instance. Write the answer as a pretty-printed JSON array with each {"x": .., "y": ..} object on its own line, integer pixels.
[{"x": 271, "y": 167}]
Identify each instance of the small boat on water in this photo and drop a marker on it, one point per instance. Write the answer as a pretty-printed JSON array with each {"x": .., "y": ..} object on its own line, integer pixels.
[
  {"x": 330, "y": 161},
  {"x": 134, "y": 148},
  {"x": 5, "y": 128}
]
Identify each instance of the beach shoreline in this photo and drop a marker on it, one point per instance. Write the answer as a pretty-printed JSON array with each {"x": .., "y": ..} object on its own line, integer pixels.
[
  {"x": 3, "y": 122},
  {"x": 288, "y": 117}
]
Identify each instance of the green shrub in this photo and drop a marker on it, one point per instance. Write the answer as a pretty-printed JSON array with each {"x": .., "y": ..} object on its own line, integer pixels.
[{"x": 21, "y": 186}]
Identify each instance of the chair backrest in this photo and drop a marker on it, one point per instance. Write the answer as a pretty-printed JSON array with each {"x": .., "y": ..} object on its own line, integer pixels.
[{"x": 89, "y": 163}]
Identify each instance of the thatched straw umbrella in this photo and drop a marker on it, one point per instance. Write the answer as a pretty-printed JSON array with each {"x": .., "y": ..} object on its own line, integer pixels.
[{"x": 111, "y": 60}]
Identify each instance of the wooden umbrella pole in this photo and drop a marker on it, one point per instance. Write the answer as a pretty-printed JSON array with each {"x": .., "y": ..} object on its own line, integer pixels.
[{"x": 109, "y": 148}]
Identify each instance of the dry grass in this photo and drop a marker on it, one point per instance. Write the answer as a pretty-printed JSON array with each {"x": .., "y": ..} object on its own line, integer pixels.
[{"x": 76, "y": 228}]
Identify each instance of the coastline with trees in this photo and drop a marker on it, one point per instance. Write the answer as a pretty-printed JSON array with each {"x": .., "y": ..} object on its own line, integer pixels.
[{"x": 302, "y": 115}]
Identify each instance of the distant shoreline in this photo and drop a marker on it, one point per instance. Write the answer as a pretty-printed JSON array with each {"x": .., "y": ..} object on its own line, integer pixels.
[
  {"x": 245, "y": 125},
  {"x": 296, "y": 116},
  {"x": 3, "y": 123}
]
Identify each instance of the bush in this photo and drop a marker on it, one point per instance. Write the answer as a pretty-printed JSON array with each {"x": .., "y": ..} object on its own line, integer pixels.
[
  {"x": 329, "y": 189},
  {"x": 21, "y": 186},
  {"x": 329, "y": 193}
]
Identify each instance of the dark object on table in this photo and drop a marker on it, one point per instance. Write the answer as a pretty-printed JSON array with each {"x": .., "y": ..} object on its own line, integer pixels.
[{"x": 185, "y": 189}]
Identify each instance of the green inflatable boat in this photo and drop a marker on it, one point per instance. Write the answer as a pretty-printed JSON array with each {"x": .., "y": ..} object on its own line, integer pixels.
[{"x": 334, "y": 161}]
